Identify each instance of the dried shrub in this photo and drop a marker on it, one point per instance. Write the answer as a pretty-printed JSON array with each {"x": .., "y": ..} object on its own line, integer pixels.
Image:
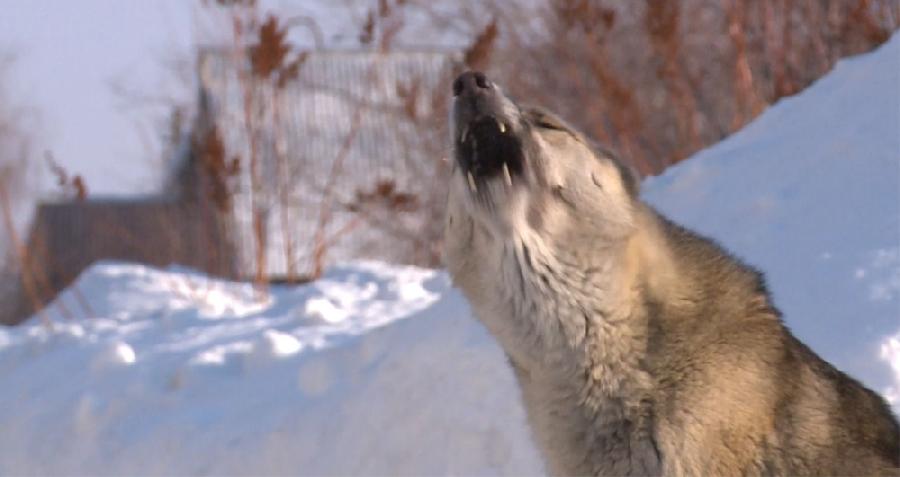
[
  {"x": 270, "y": 52},
  {"x": 385, "y": 194},
  {"x": 409, "y": 95},
  {"x": 71, "y": 187},
  {"x": 478, "y": 54},
  {"x": 367, "y": 33},
  {"x": 216, "y": 168}
]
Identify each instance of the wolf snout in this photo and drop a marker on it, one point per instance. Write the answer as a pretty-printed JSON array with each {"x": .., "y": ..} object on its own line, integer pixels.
[
  {"x": 474, "y": 96},
  {"x": 471, "y": 83},
  {"x": 485, "y": 134}
]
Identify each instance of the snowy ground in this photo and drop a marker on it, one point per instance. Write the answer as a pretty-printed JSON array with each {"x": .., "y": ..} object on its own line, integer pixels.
[
  {"x": 184, "y": 375},
  {"x": 379, "y": 370}
]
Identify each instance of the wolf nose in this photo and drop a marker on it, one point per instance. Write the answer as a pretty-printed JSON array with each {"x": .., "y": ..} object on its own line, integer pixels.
[{"x": 471, "y": 83}]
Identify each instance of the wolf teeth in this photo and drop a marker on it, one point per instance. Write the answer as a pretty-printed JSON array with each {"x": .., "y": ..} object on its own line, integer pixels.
[
  {"x": 472, "y": 185},
  {"x": 501, "y": 126},
  {"x": 506, "y": 175}
]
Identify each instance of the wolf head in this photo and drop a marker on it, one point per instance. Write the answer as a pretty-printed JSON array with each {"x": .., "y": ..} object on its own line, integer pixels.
[{"x": 518, "y": 167}]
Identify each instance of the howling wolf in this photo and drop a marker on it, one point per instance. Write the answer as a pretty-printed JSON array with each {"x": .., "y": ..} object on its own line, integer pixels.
[{"x": 640, "y": 347}]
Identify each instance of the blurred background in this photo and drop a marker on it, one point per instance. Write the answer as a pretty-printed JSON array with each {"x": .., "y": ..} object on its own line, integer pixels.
[{"x": 264, "y": 140}]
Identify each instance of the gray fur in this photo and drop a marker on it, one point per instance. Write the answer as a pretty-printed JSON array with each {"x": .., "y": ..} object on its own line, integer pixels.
[{"x": 640, "y": 347}]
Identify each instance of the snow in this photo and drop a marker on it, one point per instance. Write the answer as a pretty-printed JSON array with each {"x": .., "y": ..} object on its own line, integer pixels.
[
  {"x": 380, "y": 370},
  {"x": 373, "y": 370}
]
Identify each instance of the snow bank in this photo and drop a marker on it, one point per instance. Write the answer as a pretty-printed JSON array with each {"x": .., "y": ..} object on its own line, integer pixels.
[
  {"x": 810, "y": 194},
  {"x": 180, "y": 374},
  {"x": 380, "y": 370}
]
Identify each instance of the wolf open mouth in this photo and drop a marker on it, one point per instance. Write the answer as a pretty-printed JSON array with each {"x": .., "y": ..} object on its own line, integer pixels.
[
  {"x": 489, "y": 137},
  {"x": 487, "y": 147}
]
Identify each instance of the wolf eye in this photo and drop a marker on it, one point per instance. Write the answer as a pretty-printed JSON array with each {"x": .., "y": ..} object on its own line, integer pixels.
[
  {"x": 541, "y": 123},
  {"x": 545, "y": 120}
]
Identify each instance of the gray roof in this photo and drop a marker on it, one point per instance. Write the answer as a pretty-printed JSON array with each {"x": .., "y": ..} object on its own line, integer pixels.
[{"x": 350, "y": 107}]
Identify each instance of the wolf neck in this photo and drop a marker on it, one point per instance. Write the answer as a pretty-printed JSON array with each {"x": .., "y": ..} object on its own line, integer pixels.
[
  {"x": 585, "y": 310},
  {"x": 581, "y": 353}
]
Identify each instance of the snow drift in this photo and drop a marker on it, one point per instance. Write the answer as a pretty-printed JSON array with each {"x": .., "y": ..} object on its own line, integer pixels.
[
  {"x": 180, "y": 374},
  {"x": 379, "y": 369}
]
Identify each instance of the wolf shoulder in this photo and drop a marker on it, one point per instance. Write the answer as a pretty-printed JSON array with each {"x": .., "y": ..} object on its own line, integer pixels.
[{"x": 727, "y": 336}]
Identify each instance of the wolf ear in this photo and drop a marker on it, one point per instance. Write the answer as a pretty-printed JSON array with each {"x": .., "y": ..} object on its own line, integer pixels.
[{"x": 630, "y": 178}]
